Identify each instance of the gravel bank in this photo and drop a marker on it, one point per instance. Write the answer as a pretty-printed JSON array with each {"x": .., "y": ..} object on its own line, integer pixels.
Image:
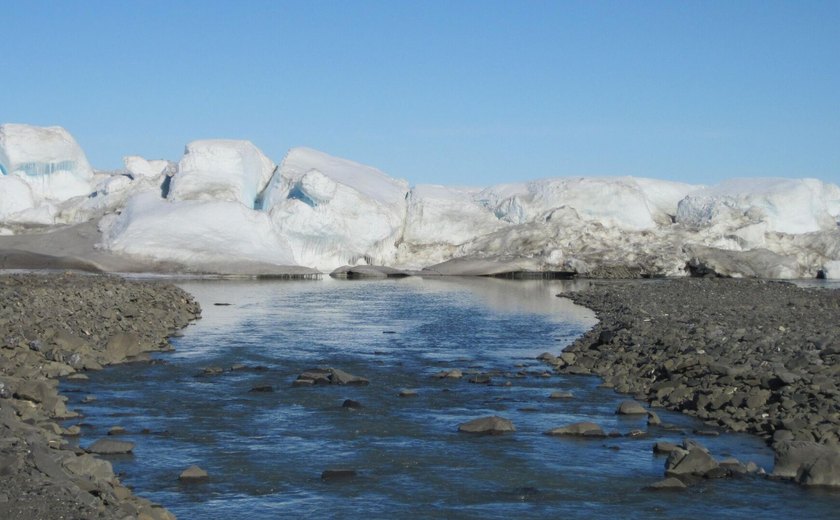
[
  {"x": 61, "y": 325},
  {"x": 751, "y": 356}
]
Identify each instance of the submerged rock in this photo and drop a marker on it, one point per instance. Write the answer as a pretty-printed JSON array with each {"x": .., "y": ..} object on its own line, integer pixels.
[
  {"x": 580, "y": 429},
  {"x": 110, "y": 447},
  {"x": 193, "y": 474},
  {"x": 631, "y": 408},
  {"x": 668, "y": 484},
  {"x": 561, "y": 394},
  {"x": 487, "y": 425},
  {"x": 328, "y": 376}
]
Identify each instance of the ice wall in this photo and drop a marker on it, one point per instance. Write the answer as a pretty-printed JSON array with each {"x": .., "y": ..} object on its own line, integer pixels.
[
  {"x": 227, "y": 202},
  {"x": 333, "y": 211},
  {"x": 221, "y": 169},
  {"x": 194, "y": 232},
  {"x": 47, "y": 159}
]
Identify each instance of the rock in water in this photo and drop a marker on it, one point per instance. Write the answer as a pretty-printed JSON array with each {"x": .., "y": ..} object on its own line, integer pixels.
[
  {"x": 328, "y": 376},
  {"x": 340, "y": 377},
  {"x": 110, "y": 447},
  {"x": 692, "y": 459},
  {"x": 822, "y": 472},
  {"x": 580, "y": 429},
  {"x": 193, "y": 474},
  {"x": 492, "y": 425},
  {"x": 630, "y": 408},
  {"x": 668, "y": 484},
  {"x": 560, "y": 394},
  {"x": 808, "y": 463},
  {"x": 665, "y": 447}
]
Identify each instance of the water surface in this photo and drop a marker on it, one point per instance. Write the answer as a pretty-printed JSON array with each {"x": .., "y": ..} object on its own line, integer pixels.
[{"x": 265, "y": 451}]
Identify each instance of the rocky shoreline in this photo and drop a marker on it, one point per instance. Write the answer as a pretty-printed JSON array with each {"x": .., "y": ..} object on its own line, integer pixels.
[
  {"x": 61, "y": 325},
  {"x": 750, "y": 356}
]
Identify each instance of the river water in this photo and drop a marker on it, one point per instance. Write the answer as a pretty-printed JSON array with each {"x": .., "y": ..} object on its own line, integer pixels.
[{"x": 265, "y": 451}]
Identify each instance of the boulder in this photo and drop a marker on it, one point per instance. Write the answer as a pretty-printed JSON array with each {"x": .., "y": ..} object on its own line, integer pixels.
[
  {"x": 193, "y": 474},
  {"x": 824, "y": 471},
  {"x": 328, "y": 376},
  {"x": 87, "y": 465},
  {"x": 631, "y": 408},
  {"x": 668, "y": 484},
  {"x": 340, "y": 377},
  {"x": 692, "y": 459},
  {"x": 487, "y": 425},
  {"x": 665, "y": 447},
  {"x": 580, "y": 429},
  {"x": 793, "y": 456},
  {"x": 110, "y": 447},
  {"x": 123, "y": 346}
]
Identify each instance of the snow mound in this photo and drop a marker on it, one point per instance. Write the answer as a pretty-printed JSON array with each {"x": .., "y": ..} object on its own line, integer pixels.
[
  {"x": 221, "y": 169},
  {"x": 194, "y": 232},
  {"x": 334, "y": 211},
  {"x": 48, "y": 159},
  {"x": 792, "y": 206}
]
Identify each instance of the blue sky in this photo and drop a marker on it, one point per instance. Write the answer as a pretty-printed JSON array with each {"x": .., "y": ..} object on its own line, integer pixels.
[{"x": 452, "y": 92}]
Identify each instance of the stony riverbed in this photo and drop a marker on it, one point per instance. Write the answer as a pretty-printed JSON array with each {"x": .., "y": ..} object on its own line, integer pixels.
[
  {"x": 63, "y": 325},
  {"x": 752, "y": 356}
]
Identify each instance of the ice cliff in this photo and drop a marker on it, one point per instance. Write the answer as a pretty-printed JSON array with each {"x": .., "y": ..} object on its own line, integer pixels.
[{"x": 226, "y": 202}]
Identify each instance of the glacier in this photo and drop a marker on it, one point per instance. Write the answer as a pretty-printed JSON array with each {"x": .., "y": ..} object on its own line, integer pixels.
[
  {"x": 225, "y": 204},
  {"x": 334, "y": 211},
  {"x": 221, "y": 169},
  {"x": 47, "y": 159}
]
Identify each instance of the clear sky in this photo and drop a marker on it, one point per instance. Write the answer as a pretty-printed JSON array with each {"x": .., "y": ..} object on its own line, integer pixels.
[{"x": 452, "y": 92}]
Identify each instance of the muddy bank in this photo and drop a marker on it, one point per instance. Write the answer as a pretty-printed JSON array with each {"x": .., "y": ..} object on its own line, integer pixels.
[
  {"x": 751, "y": 356},
  {"x": 61, "y": 325}
]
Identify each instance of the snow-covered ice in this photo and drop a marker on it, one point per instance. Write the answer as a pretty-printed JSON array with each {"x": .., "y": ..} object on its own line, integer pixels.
[
  {"x": 221, "y": 169},
  {"x": 785, "y": 205},
  {"x": 334, "y": 211},
  {"x": 225, "y": 202},
  {"x": 139, "y": 167},
  {"x": 48, "y": 159},
  {"x": 193, "y": 232}
]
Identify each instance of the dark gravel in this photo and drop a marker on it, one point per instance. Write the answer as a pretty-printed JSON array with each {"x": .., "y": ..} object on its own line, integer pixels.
[
  {"x": 60, "y": 325},
  {"x": 752, "y": 356}
]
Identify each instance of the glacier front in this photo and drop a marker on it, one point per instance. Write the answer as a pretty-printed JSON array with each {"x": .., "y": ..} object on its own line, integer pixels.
[{"x": 225, "y": 204}]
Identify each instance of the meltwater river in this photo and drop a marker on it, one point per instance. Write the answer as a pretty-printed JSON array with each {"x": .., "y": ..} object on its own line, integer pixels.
[{"x": 265, "y": 451}]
